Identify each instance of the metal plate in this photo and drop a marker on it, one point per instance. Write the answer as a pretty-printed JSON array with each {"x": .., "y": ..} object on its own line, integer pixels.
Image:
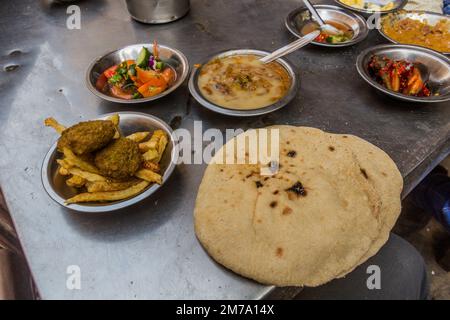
[
  {"x": 172, "y": 57},
  {"x": 130, "y": 122},
  {"x": 398, "y": 4},
  {"x": 430, "y": 17},
  {"x": 438, "y": 65},
  {"x": 290, "y": 94},
  {"x": 299, "y": 17}
]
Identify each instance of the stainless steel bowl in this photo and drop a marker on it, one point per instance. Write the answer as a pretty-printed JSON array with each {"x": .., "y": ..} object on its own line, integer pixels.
[
  {"x": 423, "y": 16},
  {"x": 157, "y": 11},
  {"x": 398, "y": 4},
  {"x": 130, "y": 122},
  {"x": 301, "y": 16},
  {"x": 290, "y": 94},
  {"x": 437, "y": 64},
  {"x": 173, "y": 57}
]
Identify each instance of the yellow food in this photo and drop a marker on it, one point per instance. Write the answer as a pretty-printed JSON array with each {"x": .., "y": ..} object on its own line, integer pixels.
[
  {"x": 162, "y": 143},
  {"x": 361, "y": 4},
  {"x": 154, "y": 148},
  {"x": 138, "y": 136},
  {"x": 415, "y": 32},
  {"x": 151, "y": 166},
  {"x": 63, "y": 171},
  {"x": 51, "y": 122},
  {"x": 81, "y": 169},
  {"x": 109, "y": 196},
  {"x": 103, "y": 186},
  {"x": 78, "y": 172},
  {"x": 149, "y": 175},
  {"x": 75, "y": 161},
  {"x": 115, "y": 119},
  {"x": 86, "y": 175},
  {"x": 76, "y": 182},
  {"x": 64, "y": 164},
  {"x": 153, "y": 142},
  {"x": 243, "y": 82},
  {"x": 150, "y": 155}
]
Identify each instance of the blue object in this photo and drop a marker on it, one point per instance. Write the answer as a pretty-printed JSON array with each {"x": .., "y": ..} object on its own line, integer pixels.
[
  {"x": 433, "y": 196},
  {"x": 446, "y": 7}
]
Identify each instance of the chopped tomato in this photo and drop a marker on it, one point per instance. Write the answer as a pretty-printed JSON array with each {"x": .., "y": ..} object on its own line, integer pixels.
[
  {"x": 110, "y": 71},
  {"x": 101, "y": 82},
  {"x": 145, "y": 75},
  {"x": 117, "y": 92},
  {"x": 136, "y": 81},
  {"x": 153, "y": 87},
  {"x": 321, "y": 38},
  {"x": 169, "y": 75}
]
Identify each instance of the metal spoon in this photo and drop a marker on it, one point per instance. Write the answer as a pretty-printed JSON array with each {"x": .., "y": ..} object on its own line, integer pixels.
[
  {"x": 303, "y": 41},
  {"x": 324, "y": 26}
]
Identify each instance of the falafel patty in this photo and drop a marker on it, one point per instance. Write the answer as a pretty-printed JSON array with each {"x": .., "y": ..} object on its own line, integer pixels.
[
  {"x": 120, "y": 159},
  {"x": 87, "y": 136}
]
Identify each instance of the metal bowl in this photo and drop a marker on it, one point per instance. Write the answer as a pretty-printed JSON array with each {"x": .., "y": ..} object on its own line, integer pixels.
[
  {"x": 290, "y": 94},
  {"x": 437, "y": 64},
  {"x": 424, "y": 16},
  {"x": 130, "y": 122},
  {"x": 299, "y": 17},
  {"x": 172, "y": 57},
  {"x": 398, "y": 4}
]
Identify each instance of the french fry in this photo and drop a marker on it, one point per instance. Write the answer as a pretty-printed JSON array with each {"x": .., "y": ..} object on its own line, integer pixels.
[
  {"x": 51, "y": 122},
  {"x": 151, "y": 166},
  {"x": 138, "y": 136},
  {"x": 93, "y": 177},
  {"x": 150, "y": 155},
  {"x": 115, "y": 119},
  {"x": 76, "y": 182},
  {"x": 149, "y": 176},
  {"x": 109, "y": 196},
  {"x": 89, "y": 176},
  {"x": 63, "y": 171},
  {"x": 103, "y": 186},
  {"x": 162, "y": 143},
  {"x": 64, "y": 164},
  {"x": 153, "y": 142},
  {"x": 76, "y": 161}
]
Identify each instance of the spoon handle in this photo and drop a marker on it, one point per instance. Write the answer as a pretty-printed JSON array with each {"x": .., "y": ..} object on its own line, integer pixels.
[
  {"x": 314, "y": 12},
  {"x": 290, "y": 47}
]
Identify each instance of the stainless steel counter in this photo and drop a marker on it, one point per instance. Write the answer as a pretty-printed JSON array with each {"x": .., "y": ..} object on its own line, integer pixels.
[{"x": 150, "y": 250}]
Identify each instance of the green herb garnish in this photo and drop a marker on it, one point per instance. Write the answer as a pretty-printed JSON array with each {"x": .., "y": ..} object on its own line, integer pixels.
[
  {"x": 115, "y": 79},
  {"x": 137, "y": 95}
]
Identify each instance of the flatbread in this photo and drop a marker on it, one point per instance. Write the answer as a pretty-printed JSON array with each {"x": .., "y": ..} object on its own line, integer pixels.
[
  {"x": 259, "y": 228},
  {"x": 383, "y": 174}
]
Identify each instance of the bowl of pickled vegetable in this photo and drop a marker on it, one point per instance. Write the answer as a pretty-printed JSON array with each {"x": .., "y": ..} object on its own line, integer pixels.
[
  {"x": 406, "y": 72},
  {"x": 137, "y": 73}
]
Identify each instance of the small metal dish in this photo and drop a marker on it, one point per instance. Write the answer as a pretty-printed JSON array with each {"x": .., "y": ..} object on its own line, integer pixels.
[
  {"x": 398, "y": 4},
  {"x": 290, "y": 94},
  {"x": 301, "y": 16},
  {"x": 130, "y": 122},
  {"x": 437, "y": 64},
  {"x": 423, "y": 16},
  {"x": 172, "y": 57}
]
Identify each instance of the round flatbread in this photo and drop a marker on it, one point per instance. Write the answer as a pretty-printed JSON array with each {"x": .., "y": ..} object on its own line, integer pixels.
[{"x": 312, "y": 221}]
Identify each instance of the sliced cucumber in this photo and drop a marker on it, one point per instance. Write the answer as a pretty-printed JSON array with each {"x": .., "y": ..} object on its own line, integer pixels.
[{"x": 142, "y": 59}]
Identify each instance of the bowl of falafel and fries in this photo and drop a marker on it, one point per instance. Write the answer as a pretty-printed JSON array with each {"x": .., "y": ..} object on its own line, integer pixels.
[{"x": 108, "y": 163}]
